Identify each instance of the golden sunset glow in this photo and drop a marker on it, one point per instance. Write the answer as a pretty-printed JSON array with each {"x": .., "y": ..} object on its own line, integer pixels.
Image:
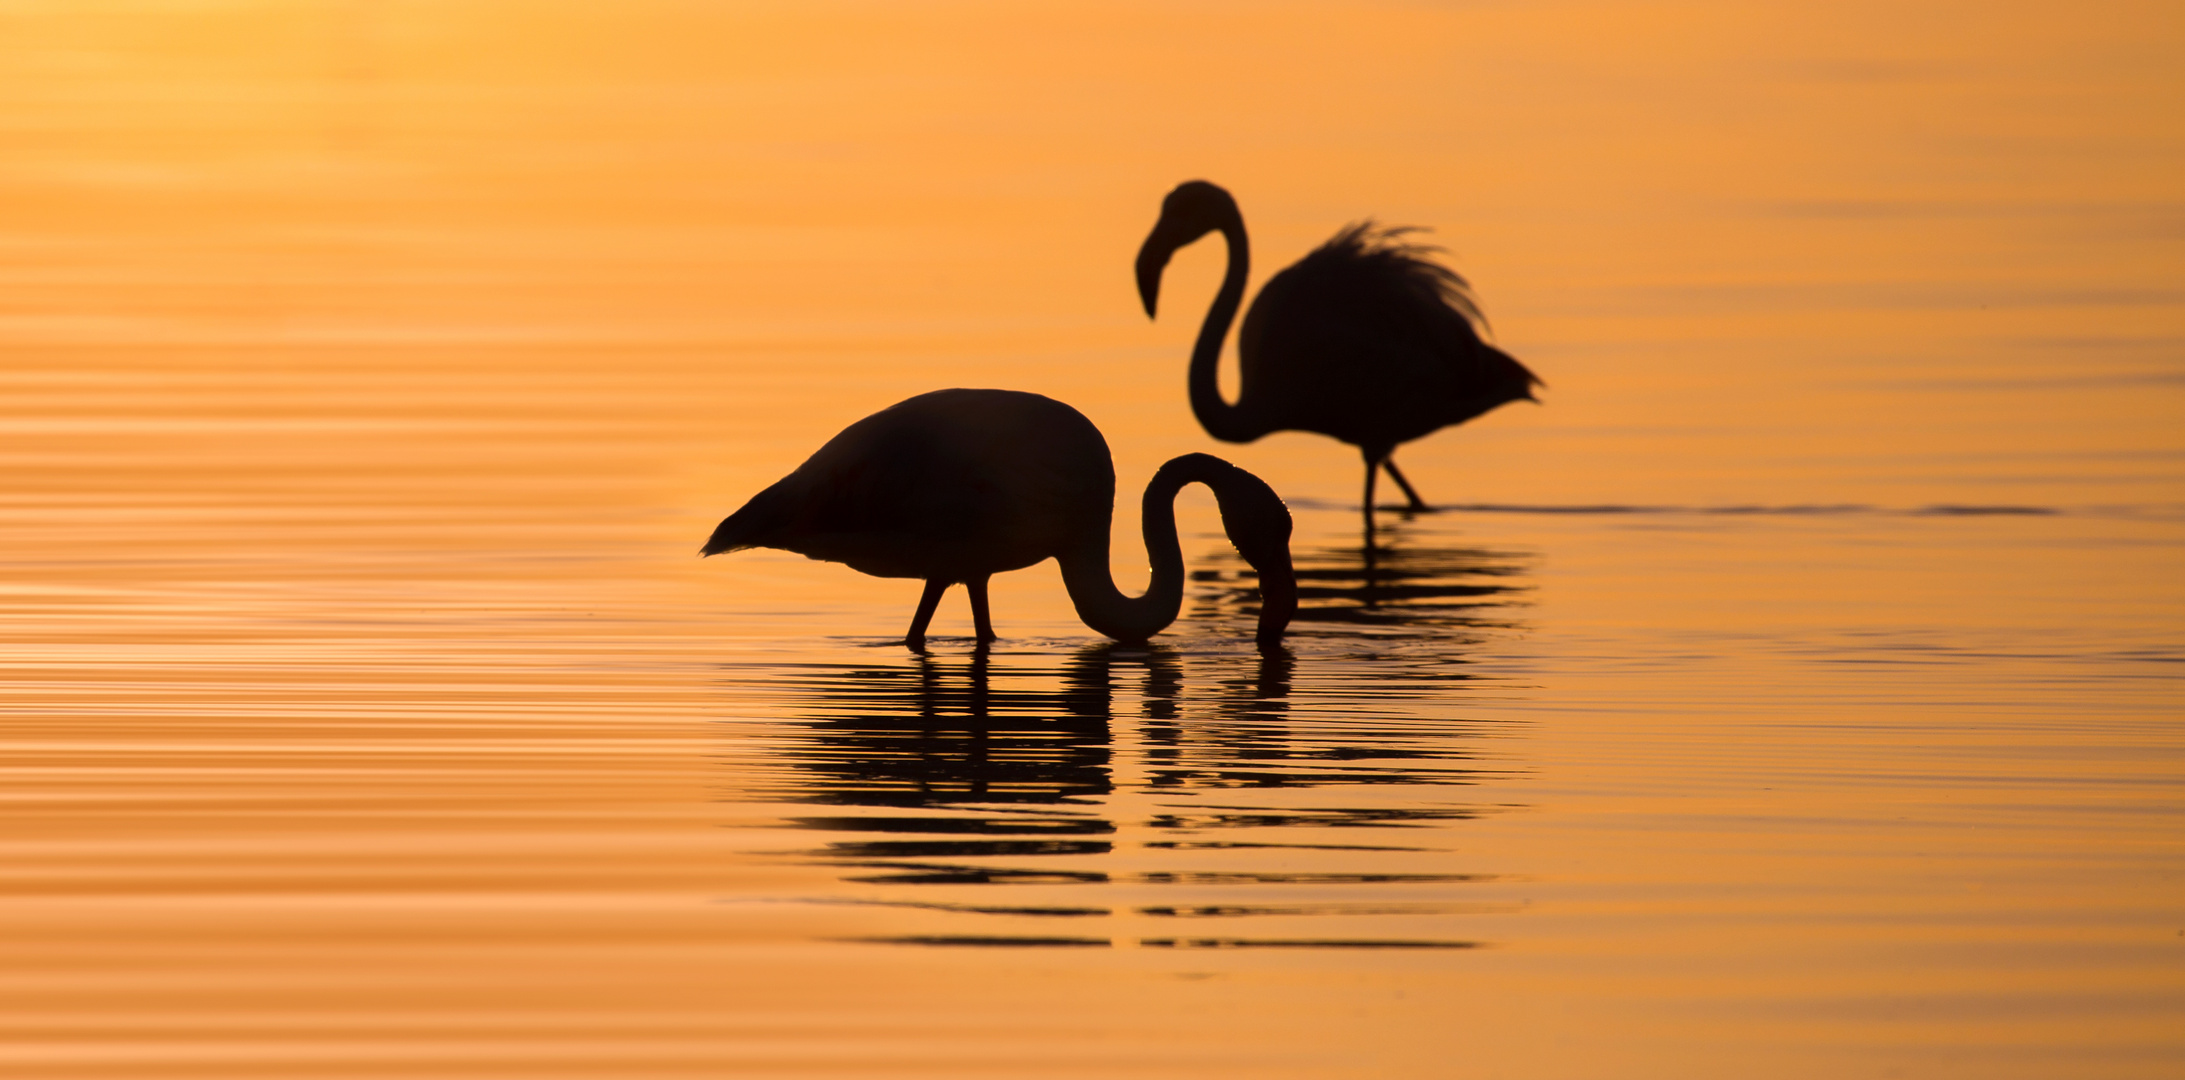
[{"x": 1793, "y": 692}]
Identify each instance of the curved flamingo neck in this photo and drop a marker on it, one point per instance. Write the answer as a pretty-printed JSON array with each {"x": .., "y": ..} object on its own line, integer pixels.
[
  {"x": 1224, "y": 421},
  {"x": 1250, "y": 514},
  {"x": 1092, "y": 588}
]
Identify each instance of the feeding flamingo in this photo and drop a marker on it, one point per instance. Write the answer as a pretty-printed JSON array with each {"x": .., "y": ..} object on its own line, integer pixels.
[{"x": 957, "y": 485}]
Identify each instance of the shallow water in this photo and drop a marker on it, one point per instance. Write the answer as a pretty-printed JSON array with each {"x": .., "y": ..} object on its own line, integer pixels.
[{"x": 1795, "y": 693}]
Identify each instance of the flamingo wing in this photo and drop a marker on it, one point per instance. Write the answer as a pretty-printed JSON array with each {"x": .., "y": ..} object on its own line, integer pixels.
[{"x": 1370, "y": 340}]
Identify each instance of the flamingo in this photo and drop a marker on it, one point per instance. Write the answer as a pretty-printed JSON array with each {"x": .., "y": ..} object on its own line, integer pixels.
[
  {"x": 957, "y": 485},
  {"x": 1366, "y": 339}
]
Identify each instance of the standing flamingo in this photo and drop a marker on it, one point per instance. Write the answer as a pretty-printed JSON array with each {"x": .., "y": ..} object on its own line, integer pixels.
[
  {"x": 958, "y": 485},
  {"x": 1366, "y": 339}
]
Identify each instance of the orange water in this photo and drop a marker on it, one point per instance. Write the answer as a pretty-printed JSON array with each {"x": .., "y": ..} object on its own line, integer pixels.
[{"x": 1795, "y": 693}]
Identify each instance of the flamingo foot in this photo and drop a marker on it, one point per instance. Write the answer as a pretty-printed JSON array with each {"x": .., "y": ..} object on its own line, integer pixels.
[{"x": 1418, "y": 505}]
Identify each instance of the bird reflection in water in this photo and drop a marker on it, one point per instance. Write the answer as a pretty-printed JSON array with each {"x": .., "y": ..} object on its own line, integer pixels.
[
  {"x": 1393, "y": 588},
  {"x": 1005, "y": 769},
  {"x": 928, "y": 735}
]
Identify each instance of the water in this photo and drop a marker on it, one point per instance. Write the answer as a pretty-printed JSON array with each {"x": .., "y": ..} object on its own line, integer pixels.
[{"x": 1794, "y": 693}]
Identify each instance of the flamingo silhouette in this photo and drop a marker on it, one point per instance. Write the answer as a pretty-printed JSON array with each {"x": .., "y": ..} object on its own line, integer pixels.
[
  {"x": 958, "y": 485},
  {"x": 1366, "y": 339}
]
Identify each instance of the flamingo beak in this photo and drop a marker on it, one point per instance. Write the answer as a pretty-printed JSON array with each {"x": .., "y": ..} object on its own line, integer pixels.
[
  {"x": 1152, "y": 259},
  {"x": 1277, "y": 597}
]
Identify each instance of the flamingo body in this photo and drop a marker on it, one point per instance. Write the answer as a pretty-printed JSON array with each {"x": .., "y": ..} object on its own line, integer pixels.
[
  {"x": 952, "y": 485},
  {"x": 1367, "y": 342}
]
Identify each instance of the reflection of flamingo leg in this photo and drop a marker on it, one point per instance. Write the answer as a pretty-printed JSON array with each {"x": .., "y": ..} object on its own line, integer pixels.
[
  {"x": 1369, "y": 582},
  {"x": 978, "y": 679},
  {"x": 916, "y": 639},
  {"x": 1417, "y": 504},
  {"x": 982, "y": 626}
]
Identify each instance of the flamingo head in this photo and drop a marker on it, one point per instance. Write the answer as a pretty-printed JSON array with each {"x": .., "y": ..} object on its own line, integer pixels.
[
  {"x": 1191, "y": 211},
  {"x": 1259, "y": 526},
  {"x": 1277, "y": 594}
]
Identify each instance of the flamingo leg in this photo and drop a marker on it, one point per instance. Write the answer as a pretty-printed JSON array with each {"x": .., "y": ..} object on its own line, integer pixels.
[
  {"x": 982, "y": 624},
  {"x": 1418, "y": 505},
  {"x": 916, "y": 639},
  {"x": 1373, "y": 472}
]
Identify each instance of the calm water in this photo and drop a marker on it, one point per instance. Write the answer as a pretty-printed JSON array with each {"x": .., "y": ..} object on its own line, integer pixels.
[{"x": 1795, "y": 693}]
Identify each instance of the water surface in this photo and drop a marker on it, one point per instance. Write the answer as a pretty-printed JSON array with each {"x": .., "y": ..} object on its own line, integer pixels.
[{"x": 1795, "y": 693}]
